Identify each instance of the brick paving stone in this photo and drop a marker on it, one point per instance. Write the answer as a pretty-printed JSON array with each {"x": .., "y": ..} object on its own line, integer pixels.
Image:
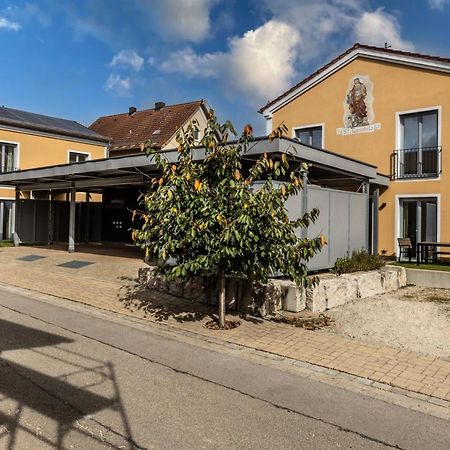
[{"x": 107, "y": 284}]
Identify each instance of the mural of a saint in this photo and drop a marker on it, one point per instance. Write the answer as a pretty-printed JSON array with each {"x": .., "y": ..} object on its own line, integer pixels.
[{"x": 356, "y": 100}]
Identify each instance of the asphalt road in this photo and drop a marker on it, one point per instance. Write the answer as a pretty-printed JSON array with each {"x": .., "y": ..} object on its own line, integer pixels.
[{"x": 71, "y": 380}]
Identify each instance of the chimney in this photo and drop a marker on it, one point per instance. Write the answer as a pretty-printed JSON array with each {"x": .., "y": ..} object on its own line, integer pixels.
[
  {"x": 159, "y": 105},
  {"x": 131, "y": 110}
]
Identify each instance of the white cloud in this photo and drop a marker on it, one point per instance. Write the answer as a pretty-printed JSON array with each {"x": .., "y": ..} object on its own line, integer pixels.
[
  {"x": 379, "y": 27},
  {"x": 128, "y": 58},
  {"x": 9, "y": 25},
  {"x": 438, "y": 4},
  {"x": 117, "y": 85},
  {"x": 259, "y": 64},
  {"x": 262, "y": 61},
  {"x": 192, "y": 64},
  {"x": 187, "y": 20}
]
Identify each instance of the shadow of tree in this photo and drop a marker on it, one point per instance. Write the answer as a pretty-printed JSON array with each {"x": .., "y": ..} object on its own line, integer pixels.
[{"x": 161, "y": 306}]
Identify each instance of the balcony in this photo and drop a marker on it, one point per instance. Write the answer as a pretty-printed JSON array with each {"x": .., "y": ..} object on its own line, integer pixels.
[{"x": 410, "y": 163}]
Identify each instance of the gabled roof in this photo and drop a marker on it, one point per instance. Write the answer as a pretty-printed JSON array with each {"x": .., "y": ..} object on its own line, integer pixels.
[
  {"x": 419, "y": 60},
  {"x": 129, "y": 132},
  {"x": 38, "y": 122}
]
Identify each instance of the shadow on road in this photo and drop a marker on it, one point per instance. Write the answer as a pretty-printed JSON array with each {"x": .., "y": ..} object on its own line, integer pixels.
[{"x": 51, "y": 400}]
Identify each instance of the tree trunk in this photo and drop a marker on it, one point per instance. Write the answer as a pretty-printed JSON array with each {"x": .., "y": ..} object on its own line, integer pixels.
[{"x": 221, "y": 300}]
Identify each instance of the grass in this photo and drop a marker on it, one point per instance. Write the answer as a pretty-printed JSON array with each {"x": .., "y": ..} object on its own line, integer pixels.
[
  {"x": 445, "y": 267},
  {"x": 6, "y": 243}
]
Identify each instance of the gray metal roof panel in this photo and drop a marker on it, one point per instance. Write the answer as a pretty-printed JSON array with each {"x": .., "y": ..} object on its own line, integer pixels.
[{"x": 25, "y": 119}]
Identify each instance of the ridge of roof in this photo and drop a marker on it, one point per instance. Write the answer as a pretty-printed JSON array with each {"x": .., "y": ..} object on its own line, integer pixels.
[
  {"x": 45, "y": 123},
  {"x": 347, "y": 52},
  {"x": 152, "y": 109}
]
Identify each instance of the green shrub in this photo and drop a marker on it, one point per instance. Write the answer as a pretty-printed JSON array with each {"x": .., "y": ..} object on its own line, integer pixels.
[{"x": 359, "y": 261}]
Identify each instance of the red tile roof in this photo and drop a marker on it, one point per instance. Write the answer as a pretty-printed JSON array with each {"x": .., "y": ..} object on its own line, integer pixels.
[
  {"x": 128, "y": 132},
  {"x": 342, "y": 55}
]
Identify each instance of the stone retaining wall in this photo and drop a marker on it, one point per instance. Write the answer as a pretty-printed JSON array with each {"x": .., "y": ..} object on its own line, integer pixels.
[{"x": 280, "y": 295}]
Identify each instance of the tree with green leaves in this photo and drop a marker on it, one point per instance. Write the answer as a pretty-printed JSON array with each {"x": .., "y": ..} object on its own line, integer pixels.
[{"x": 214, "y": 211}]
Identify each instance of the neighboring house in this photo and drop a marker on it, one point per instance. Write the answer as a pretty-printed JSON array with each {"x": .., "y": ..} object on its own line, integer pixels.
[
  {"x": 29, "y": 140},
  {"x": 160, "y": 125},
  {"x": 391, "y": 109}
]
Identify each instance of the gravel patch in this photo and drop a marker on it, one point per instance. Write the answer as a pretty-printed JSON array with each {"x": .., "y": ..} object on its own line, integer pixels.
[{"x": 412, "y": 318}]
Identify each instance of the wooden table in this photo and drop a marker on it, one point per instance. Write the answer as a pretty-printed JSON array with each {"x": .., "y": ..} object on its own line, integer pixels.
[{"x": 424, "y": 248}]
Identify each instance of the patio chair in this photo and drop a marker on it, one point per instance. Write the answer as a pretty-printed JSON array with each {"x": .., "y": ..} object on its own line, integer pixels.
[{"x": 405, "y": 246}]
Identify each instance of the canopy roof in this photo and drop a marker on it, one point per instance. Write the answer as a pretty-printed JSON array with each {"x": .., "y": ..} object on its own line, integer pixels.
[{"x": 136, "y": 169}]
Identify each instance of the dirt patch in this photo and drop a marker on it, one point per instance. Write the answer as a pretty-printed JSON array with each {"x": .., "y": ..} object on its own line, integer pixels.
[
  {"x": 229, "y": 325},
  {"x": 412, "y": 318},
  {"x": 308, "y": 323}
]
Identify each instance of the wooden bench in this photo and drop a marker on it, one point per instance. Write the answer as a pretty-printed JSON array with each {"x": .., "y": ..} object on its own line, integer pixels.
[{"x": 405, "y": 246}]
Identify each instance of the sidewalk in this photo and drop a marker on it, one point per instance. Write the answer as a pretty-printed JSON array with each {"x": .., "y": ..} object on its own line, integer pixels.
[{"x": 105, "y": 286}]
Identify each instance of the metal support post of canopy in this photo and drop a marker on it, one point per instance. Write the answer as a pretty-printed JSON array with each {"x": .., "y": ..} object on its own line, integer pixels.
[{"x": 73, "y": 193}]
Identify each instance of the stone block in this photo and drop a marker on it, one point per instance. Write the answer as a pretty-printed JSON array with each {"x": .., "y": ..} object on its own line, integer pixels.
[
  {"x": 390, "y": 278},
  {"x": 340, "y": 290},
  {"x": 316, "y": 298},
  {"x": 293, "y": 296},
  {"x": 369, "y": 284}
]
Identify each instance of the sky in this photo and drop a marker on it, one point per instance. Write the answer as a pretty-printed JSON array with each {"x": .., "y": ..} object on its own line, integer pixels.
[{"x": 81, "y": 59}]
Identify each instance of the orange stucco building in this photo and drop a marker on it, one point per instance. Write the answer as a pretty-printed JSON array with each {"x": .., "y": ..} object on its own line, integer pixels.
[
  {"x": 391, "y": 109},
  {"x": 29, "y": 140}
]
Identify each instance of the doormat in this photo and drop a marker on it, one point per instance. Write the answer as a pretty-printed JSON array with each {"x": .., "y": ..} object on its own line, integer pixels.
[
  {"x": 75, "y": 264},
  {"x": 31, "y": 258}
]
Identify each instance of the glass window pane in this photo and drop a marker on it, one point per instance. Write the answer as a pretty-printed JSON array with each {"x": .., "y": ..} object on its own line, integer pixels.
[
  {"x": 411, "y": 131},
  {"x": 77, "y": 157},
  {"x": 317, "y": 137},
  {"x": 429, "y": 221},
  {"x": 410, "y": 162},
  {"x": 430, "y": 160},
  {"x": 310, "y": 136},
  {"x": 430, "y": 129},
  {"x": 304, "y": 136}
]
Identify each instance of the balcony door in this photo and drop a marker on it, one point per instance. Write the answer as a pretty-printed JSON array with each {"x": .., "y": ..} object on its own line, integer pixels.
[
  {"x": 419, "y": 219},
  {"x": 419, "y": 153}
]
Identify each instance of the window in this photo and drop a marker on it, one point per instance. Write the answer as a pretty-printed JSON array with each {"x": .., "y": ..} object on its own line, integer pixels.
[
  {"x": 197, "y": 135},
  {"x": 310, "y": 136},
  {"x": 75, "y": 157},
  {"x": 8, "y": 157},
  {"x": 419, "y": 219},
  {"x": 6, "y": 219},
  {"x": 419, "y": 155}
]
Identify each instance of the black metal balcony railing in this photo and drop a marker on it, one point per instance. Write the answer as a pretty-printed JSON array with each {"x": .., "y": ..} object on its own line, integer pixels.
[{"x": 422, "y": 162}]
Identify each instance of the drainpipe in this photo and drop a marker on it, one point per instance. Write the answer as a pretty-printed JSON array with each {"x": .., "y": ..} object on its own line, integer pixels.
[{"x": 375, "y": 212}]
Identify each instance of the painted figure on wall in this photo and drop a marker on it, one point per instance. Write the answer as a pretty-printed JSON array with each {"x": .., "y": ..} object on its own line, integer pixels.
[{"x": 356, "y": 100}]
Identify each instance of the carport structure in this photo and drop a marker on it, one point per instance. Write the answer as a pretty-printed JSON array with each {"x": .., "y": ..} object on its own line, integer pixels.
[{"x": 329, "y": 174}]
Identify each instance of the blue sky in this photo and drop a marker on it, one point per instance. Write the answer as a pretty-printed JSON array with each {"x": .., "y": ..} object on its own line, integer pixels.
[{"x": 81, "y": 59}]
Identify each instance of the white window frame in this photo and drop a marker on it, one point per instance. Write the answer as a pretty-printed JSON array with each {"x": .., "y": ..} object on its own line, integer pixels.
[
  {"x": 315, "y": 125},
  {"x": 16, "y": 158},
  {"x": 80, "y": 153},
  {"x": 398, "y": 216},
  {"x": 399, "y": 139}
]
